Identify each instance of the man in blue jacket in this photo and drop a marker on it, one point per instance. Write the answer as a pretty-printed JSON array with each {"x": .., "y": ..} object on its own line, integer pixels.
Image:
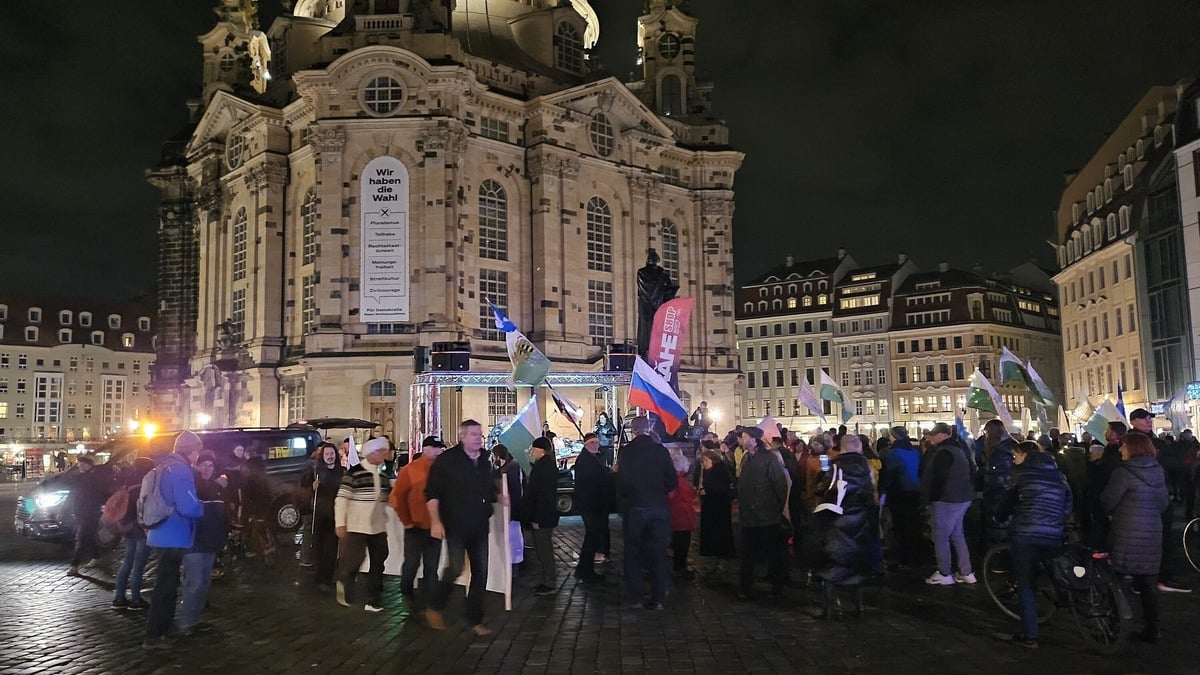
[{"x": 174, "y": 536}]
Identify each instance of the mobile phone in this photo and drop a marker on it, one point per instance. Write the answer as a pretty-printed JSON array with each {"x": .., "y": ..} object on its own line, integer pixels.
[{"x": 824, "y": 462}]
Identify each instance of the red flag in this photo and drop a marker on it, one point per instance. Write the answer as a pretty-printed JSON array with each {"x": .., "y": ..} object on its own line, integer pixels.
[{"x": 666, "y": 338}]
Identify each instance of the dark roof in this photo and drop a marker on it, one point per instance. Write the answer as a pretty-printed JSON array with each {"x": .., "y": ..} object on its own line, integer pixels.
[
  {"x": 884, "y": 272},
  {"x": 804, "y": 268},
  {"x": 16, "y": 319},
  {"x": 951, "y": 278}
]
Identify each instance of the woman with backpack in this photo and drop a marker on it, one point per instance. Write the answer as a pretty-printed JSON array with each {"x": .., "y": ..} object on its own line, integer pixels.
[{"x": 129, "y": 576}]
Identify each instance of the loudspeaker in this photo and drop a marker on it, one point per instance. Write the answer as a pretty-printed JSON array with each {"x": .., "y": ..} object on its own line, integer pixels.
[
  {"x": 621, "y": 356},
  {"x": 452, "y": 356},
  {"x": 420, "y": 359}
]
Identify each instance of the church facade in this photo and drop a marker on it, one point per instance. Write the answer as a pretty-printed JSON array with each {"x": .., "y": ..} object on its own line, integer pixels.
[{"x": 363, "y": 177}]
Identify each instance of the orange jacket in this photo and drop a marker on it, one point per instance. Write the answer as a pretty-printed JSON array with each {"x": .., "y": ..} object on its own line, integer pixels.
[{"x": 408, "y": 494}]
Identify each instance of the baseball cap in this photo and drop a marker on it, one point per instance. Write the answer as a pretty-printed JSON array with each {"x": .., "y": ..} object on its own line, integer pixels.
[
  {"x": 432, "y": 442},
  {"x": 1140, "y": 413}
]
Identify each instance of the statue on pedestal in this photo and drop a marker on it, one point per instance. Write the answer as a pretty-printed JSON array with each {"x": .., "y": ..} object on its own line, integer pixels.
[{"x": 655, "y": 287}]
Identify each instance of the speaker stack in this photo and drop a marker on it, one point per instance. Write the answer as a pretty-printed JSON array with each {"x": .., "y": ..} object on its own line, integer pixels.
[
  {"x": 452, "y": 356},
  {"x": 621, "y": 356}
]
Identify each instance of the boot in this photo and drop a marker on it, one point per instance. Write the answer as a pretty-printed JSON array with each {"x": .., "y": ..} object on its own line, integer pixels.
[{"x": 830, "y": 595}]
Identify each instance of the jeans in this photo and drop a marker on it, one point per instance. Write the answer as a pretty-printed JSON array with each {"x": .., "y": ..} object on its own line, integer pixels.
[
  {"x": 166, "y": 590},
  {"x": 543, "y": 544},
  {"x": 420, "y": 551},
  {"x": 355, "y": 546},
  {"x": 130, "y": 574},
  {"x": 946, "y": 522},
  {"x": 474, "y": 549},
  {"x": 197, "y": 576},
  {"x": 1027, "y": 553},
  {"x": 759, "y": 542},
  {"x": 595, "y": 540},
  {"x": 647, "y": 530}
]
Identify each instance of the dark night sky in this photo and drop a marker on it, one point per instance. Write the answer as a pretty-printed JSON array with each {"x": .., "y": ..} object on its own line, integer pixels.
[{"x": 940, "y": 128}]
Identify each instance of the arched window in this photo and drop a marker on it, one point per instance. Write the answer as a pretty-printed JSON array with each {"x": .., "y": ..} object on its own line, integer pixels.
[
  {"x": 308, "y": 223},
  {"x": 762, "y": 305},
  {"x": 1124, "y": 217},
  {"x": 748, "y": 307},
  {"x": 493, "y": 221},
  {"x": 599, "y": 235},
  {"x": 1091, "y": 203},
  {"x": 670, "y": 248},
  {"x": 776, "y": 304},
  {"x": 807, "y": 287},
  {"x": 1111, "y": 226},
  {"x": 807, "y": 301},
  {"x": 1087, "y": 239},
  {"x": 601, "y": 133},
  {"x": 822, "y": 299},
  {"x": 239, "y": 245},
  {"x": 670, "y": 102},
  {"x": 380, "y": 388},
  {"x": 568, "y": 48}
]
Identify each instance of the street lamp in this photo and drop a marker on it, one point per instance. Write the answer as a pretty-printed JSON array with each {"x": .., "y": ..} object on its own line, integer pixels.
[{"x": 203, "y": 419}]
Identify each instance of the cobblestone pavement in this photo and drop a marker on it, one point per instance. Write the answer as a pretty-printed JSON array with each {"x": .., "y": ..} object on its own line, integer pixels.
[{"x": 269, "y": 622}]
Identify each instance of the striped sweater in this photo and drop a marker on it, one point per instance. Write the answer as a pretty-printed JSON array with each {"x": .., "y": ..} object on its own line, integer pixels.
[{"x": 362, "y": 500}]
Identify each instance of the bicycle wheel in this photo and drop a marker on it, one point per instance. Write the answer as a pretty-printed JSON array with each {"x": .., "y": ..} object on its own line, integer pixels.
[
  {"x": 1097, "y": 613},
  {"x": 266, "y": 544},
  {"x": 1002, "y": 587},
  {"x": 1191, "y": 543}
]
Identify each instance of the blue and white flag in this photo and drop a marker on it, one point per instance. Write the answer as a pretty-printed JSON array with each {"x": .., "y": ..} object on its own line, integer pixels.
[{"x": 1121, "y": 401}]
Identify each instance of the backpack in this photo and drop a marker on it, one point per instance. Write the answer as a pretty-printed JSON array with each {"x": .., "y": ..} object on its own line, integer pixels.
[
  {"x": 152, "y": 508},
  {"x": 115, "y": 509}
]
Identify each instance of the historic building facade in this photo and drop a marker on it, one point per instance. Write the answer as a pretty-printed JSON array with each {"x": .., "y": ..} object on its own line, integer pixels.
[
  {"x": 1123, "y": 279},
  {"x": 785, "y": 333},
  {"x": 71, "y": 371},
  {"x": 363, "y": 177}
]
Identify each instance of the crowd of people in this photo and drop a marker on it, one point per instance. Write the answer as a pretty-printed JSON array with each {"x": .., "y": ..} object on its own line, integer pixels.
[{"x": 834, "y": 511}]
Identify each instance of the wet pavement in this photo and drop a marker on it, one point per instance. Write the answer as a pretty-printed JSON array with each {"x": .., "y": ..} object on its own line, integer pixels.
[{"x": 268, "y": 621}]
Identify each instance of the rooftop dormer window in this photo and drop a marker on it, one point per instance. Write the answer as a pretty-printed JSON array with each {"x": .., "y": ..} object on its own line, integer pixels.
[
  {"x": 114, "y": 321},
  {"x": 64, "y": 317},
  {"x": 85, "y": 319},
  {"x": 568, "y": 48},
  {"x": 35, "y": 315}
]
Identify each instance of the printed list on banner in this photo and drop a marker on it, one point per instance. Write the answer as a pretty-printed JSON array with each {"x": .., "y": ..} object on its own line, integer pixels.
[{"x": 384, "y": 202}]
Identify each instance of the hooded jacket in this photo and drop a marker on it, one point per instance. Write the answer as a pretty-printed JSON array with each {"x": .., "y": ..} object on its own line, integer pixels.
[
  {"x": 846, "y": 523},
  {"x": 1037, "y": 497},
  {"x": 1136, "y": 496},
  {"x": 178, "y": 487}
]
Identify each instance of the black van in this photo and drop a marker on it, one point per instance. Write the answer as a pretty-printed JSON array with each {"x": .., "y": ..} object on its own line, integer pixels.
[{"x": 46, "y": 513}]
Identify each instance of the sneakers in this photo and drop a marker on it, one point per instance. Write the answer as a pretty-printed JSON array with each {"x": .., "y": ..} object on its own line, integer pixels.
[
  {"x": 435, "y": 619},
  {"x": 340, "y": 592},
  {"x": 939, "y": 579},
  {"x": 968, "y": 578},
  {"x": 543, "y": 589},
  {"x": 120, "y": 603},
  {"x": 372, "y": 607},
  {"x": 138, "y": 605},
  {"x": 73, "y": 571},
  {"x": 1171, "y": 587},
  {"x": 481, "y": 630}
]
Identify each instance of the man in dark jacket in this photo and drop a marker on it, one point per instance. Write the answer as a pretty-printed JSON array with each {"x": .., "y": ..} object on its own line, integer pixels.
[
  {"x": 946, "y": 487},
  {"x": 593, "y": 485},
  {"x": 212, "y": 532},
  {"x": 88, "y": 493},
  {"x": 900, "y": 483},
  {"x": 1038, "y": 500},
  {"x": 996, "y": 461},
  {"x": 645, "y": 477},
  {"x": 542, "y": 511},
  {"x": 762, "y": 497},
  {"x": 460, "y": 493}
]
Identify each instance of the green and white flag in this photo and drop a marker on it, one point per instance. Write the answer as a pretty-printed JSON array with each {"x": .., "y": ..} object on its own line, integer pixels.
[
  {"x": 519, "y": 434},
  {"x": 1039, "y": 386},
  {"x": 1106, "y": 412},
  {"x": 1013, "y": 371},
  {"x": 829, "y": 392},
  {"x": 982, "y": 396}
]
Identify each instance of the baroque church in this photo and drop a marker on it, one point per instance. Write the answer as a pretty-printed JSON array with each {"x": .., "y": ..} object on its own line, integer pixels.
[{"x": 361, "y": 177}]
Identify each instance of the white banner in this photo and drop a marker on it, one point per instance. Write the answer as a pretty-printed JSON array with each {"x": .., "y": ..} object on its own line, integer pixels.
[{"x": 383, "y": 199}]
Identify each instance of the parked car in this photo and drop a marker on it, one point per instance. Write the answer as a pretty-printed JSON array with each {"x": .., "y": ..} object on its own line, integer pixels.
[{"x": 46, "y": 512}]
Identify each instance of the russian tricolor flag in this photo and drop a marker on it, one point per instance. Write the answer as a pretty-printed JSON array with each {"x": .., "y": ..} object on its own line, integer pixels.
[{"x": 650, "y": 391}]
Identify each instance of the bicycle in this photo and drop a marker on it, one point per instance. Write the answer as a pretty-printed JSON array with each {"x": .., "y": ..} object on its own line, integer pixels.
[
  {"x": 254, "y": 540},
  {"x": 1191, "y": 543},
  {"x": 1077, "y": 578}
]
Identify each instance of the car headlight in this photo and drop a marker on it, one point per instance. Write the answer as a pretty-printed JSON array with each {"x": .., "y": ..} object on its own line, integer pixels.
[{"x": 49, "y": 499}]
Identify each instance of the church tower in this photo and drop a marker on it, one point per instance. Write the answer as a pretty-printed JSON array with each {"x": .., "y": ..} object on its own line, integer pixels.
[{"x": 667, "y": 55}]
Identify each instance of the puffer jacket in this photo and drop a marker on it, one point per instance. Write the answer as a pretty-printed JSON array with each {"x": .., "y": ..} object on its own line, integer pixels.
[
  {"x": 1136, "y": 496},
  {"x": 1038, "y": 498},
  {"x": 178, "y": 487},
  {"x": 762, "y": 490},
  {"x": 846, "y": 524}
]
